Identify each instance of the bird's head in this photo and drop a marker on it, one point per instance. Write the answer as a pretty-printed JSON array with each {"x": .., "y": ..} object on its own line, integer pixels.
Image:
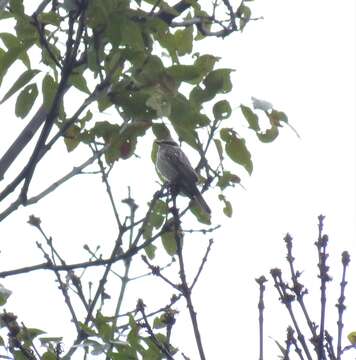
[{"x": 166, "y": 141}]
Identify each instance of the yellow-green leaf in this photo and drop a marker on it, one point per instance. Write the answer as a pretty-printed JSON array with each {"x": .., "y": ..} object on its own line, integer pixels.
[
  {"x": 23, "y": 79},
  {"x": 250, "y": 117},
  {"x": 236, "y": 149},
  {"x": 227, "y": 208},
  {"x": 222, "y": 110},
  {"x": 71, "y": 138},
  {"x": 25, "y": 100},
  {"x": 79, "y": 81},
  {"x": 352, "y": 337},
  {"x": 49, "y": 89},
  {"x": 169, "y": 242}
]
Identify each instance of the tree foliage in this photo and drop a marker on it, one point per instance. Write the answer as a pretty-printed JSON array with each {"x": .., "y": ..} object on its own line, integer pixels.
[{"x": 138, "y": 59}]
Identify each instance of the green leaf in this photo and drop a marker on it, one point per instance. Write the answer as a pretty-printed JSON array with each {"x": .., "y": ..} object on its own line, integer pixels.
[
  {"x": 275, "y": 117},
  {"x": 50, "y": 18},
  {"x": 4, "y": 295},
  {"x": 219, "y": 148},
  {"x": 185, "y": 118},
  {"x": 155, "y": 218},
  {"x": 184, "y": 41},
  {"x": 200, "y": 214},
  {"x": 169, "y": 242},
  {"x": 25, "y": 100},
  {"x": 9, "y": 40},
  {"x": 25, "y": 30},
  {"x": 227, "y": 208},
  {"x": 28, "y": 334},
  {"x": 50, "y": 340},
  {"x": 251, "y": 118},
  {"x": 150, "y": 251},
  {"x": 133, "y": 337},
  {"x": 269, "y": 135},
  {"x": 49, "y": 355},
  {"x": 132, "y": 35},
  {"x": 193, "y": 74},
  {"x": 13, "y": 54},
  {"x": 49, "y": 89},
  {"x": 206, "y": 63},
  {"x": 227, "y": 179},
  {"x": 244, "y": 14},
  {"x": 17, "y": 7},
  {"x": 160, "y": 322},
  {"x": 187, "y": 73},
  {"x": 125, "y": 352},
  {"x": 5, "y": 15},
  {"x": 87, "y": 329},
  {"x": 218, "y": 81},
  {"x": 104, "y": 329},
  {"x": 151, "y": 71},
  {"x": 79, "y": 81},
  {"x": 18, "y": 355},
  {"x": 87, "y": 117},
  {"x": 12, "y": 42},
  {"x": 352, "y": 337},
  {"x": 72, "y": 138},
  {"x": 19, "y": 83},
  {"x": 222, "y": 110},
  {"x": 160, "y": 104},
  {"x": 236, "y": 149}
]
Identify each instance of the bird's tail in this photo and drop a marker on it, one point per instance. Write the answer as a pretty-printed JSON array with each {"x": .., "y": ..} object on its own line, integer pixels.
[{"x": 201, "y": 202}]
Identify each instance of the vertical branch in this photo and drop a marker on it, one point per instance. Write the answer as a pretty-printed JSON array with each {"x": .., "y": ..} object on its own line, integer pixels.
[
  {"x": 260, "y": 281},
  {"x": 298, "y": 288},
  {"x": 345, "y": 259},
  {"x": 184, "y": 286},
  {"x": 68, "y": 65},
  {"x": 287, "y": 299},
  {"x": 162, "y": 347},
  {"x": 63, "y": 289},
  {"x": 125, "y": 279},
  {"x": 108, "y": 187},
  {"x": 321, "y": 245}
]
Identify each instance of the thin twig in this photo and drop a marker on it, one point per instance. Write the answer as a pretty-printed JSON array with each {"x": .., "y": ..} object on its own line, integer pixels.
[
  {"x": 260, "y": 281},
  {"x": 287, "y": 299},
  {"x": 64, "y": 291},
  {"x": 162, "y": 347},
  {"x": 184, "y": 286},
  {"x": 324, "y": 277},
  {"x": 298, "y": 288},
  {"x": 105, "y": 179},
  {"x": 203, "y": 262},
  {"x": 155, "y": 270},
  {"x": 75, "y": 171},
  {"x": 345, "y": 259}
]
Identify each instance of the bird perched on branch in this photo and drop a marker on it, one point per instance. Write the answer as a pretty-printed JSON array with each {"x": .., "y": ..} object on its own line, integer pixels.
[{"x": 175, "y": 167}]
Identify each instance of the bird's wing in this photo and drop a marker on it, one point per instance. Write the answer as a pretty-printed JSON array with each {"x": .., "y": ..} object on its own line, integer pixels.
[{"x": 182, "y": 165}]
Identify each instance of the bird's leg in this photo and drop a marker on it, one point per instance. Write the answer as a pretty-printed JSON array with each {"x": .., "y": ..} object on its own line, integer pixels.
[{"x": 174, "y": 190}]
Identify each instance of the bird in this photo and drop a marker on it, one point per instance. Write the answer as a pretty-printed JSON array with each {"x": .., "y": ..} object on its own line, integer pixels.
[{"x": 174, "y": 166}]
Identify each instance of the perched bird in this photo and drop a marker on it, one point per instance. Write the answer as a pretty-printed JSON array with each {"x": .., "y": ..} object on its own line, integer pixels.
[{"x": 175, "y": 167}]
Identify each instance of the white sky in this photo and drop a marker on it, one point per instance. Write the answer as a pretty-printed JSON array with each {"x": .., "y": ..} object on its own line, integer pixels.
[{"x": 301, "y": 58}]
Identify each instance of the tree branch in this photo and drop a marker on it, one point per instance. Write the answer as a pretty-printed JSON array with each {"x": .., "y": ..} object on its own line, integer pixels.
[{"x": 75, "y": 171}]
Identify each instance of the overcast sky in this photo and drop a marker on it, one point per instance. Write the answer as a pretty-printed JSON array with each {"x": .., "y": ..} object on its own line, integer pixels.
[{"x": 301, "y": 58}]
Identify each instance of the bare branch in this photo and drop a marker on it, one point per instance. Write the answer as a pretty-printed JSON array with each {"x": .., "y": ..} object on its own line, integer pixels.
[
  {"x": 75, "y": 171},
  {"x": 205, "y": 258}
]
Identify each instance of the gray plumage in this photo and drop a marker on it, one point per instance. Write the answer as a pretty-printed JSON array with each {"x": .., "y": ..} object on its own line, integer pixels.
[{"x": 175, "y": 167}]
